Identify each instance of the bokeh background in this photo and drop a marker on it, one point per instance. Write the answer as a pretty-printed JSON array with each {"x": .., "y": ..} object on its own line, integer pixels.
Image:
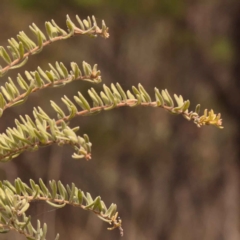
[{"x": 170, "y": 179}]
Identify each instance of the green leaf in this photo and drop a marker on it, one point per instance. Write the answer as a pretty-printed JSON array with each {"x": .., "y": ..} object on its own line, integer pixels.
[
  {"x": 97, "y": 96},
  {"x": 2, "y": 101},
  {"x": 80, "y": 22},
  {"x": 38, "y": 79},
  {"x": 111, "y": 210},
  {"x": 105, "y": 99},
  {"x": 62, "y": 190},
  {"x": 64, "y": 70},
  {"x": 22, "y": 83},
  {"x": 197, "y": 109},
  {"x": 80, "y": 196},
  {"x": 70, "y": 25},
  {"x": 24, "y": 209},
  {"x": 76, "y": 70},
  {"x": 72, "y": 193},
  {"x": 123, "y": 95},
  {"x": 87, "y": 68},
  {"x": 86, "y": 23},
  {"x": 53, "y": 186},
  {"x": 84, "y": 101},
  {"x": 144, "y": 92},
  {"x": 6, "y": 94},
  {"x": 56, "y": 205},
  {"x": 43, "y": 188},
  {"x": 4, "y": 55},
  {"x": 57, "y": 109},
  {"x": 109, "y": 94},
  {"x": 21, "y": 50},
  {"x": 186, "y": 105},
  {"x": 55, "y": 71}
]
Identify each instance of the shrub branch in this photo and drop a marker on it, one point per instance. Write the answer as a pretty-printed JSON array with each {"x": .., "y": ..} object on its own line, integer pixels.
[{"x": 24, "y": 47}]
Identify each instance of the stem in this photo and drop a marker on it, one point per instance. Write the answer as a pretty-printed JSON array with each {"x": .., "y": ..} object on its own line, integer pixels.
[
  {"x": 128, "y": 102},
  {"x": 77, "y": 31},
  {"x": 24, "y": 95}
]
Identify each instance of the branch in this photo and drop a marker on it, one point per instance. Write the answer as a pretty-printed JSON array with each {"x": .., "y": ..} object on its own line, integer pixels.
[
  {"x": 15, "y": 201},
  {"x": 28, "y": 136},
  {"x": 58, "y": 76},
  {"x": 23, "y": 47},
  {"x": 117, "y": 97}
]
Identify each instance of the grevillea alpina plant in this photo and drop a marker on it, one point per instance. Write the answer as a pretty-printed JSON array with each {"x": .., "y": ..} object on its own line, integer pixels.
[{"x": 40, "y": 131}]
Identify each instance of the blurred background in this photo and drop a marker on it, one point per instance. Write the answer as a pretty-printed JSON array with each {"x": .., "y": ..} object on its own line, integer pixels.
[{"x": 170, "y": 179}]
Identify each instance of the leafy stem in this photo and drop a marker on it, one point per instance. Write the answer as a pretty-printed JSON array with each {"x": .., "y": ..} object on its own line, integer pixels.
[
  {"x": 58, "y": 76},
  {"x": 23, "y": 47}
]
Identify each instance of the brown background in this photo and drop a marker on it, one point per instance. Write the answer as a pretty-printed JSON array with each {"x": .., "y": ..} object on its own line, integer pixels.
[{"x": 170, "y": 179}]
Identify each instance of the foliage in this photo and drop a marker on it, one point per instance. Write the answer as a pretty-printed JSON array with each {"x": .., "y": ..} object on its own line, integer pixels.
[
  {"x": 30, "y": 134},
  {"x": 23, "y": 47},
  {"x": 15, "y": 200}
]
